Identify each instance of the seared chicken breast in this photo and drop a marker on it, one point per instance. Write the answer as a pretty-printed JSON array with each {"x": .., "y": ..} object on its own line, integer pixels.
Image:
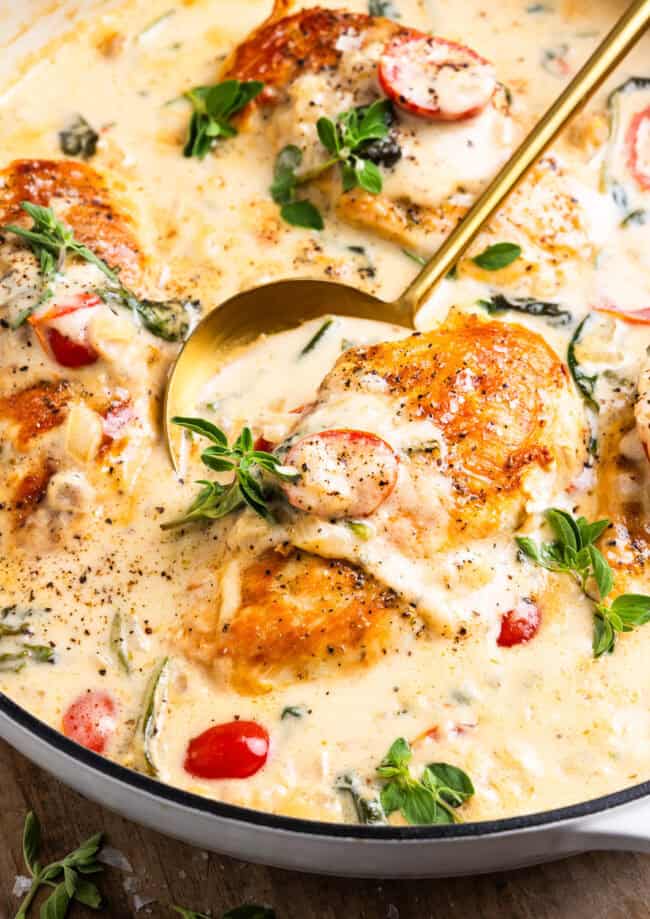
[
  {"x": 297, "y": 616},
  {"x": 319, "y": 62},
  {"x": 79, "y": 405},
  {"x": 467, "y": 430}
]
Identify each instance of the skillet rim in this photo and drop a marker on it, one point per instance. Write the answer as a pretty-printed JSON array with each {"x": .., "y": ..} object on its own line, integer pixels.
[{"x": 190, "y": 801}]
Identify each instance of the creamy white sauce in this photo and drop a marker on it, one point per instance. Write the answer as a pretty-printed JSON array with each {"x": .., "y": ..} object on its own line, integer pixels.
[{"x": 523, "y": 722}]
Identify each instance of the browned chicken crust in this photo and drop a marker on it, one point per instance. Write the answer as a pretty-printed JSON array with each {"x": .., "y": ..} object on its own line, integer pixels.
[
  {"x": 626, "y": 544},
  {"x": 82, "y": 199},
  {"x": 298, "y": 615},
  {"x": 283, "y": 48},
  {"x": 486, "y": 384},
  {"x": 35, "y": 410}
]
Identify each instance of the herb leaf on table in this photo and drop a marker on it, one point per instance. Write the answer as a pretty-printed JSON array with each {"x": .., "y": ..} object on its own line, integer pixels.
[{"x": 66, "y": 876}]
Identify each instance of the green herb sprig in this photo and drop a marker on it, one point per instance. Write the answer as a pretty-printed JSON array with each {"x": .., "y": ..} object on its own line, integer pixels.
[
  {"x": 67, "y": 877},
  {"x": 24, "y": 651},
  {"x": 431, "y": 799},
  {"x": 346, "y": 139},
  {"x": 155, "y": 699},
  {"x": 293, "y": 711},
  {"x": 170, "y": 320},
  {"x": 14, "y": 661},
  {"x": 585, "y": 383},
  {"x": 546, "y": 309},
  {"x": 51, "y": 241},
  {"x": 249, "y": 466},
  {"x": 498, "y": 256},
  {"x": 79, "y": 139},
  {"x": 368, "y": 810},
  {"x": 316, "y": 337},
  {"x": 213, "y": 107},
  {"x": 573, "y": 552}
]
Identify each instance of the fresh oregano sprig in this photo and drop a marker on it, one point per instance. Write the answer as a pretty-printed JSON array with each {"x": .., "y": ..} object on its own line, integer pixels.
[
  {"x": 51, "y": 241},
  {"x": 573, "y": 552},
  {"x": 346, "y": 139},
  {"x": 249, "y": 466},
  {"x": 67, "y": 876},
  {"x": 431, "y": 799},
  {"x": 213, "y": 107}
]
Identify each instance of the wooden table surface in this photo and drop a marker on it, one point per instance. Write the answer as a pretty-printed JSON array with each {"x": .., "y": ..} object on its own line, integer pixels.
[{"x": 592, "y": 886}]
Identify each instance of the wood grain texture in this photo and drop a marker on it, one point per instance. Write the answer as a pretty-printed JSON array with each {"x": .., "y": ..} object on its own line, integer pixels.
[{"x": 592, "y": 886}]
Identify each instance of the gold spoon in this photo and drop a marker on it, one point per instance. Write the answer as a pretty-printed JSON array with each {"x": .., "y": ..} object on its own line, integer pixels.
[{"x": 285, "y": 304}]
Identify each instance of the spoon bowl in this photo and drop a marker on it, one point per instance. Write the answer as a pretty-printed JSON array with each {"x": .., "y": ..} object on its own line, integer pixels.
[
  {"x": 263, "y": 310},
  {"x": 283, "y": 305}
]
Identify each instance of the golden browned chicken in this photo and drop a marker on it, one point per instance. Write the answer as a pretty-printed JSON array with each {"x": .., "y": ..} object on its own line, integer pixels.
[
  {"x": 75, "y": 355},
  {"x": 299, "y": 616},
  {"x": 417, "y": 458},
  {"x": 319, "y": 62}
]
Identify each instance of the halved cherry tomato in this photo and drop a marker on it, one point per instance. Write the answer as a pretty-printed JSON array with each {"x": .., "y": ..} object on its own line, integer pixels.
[
  {"x": 637, "y": 139},
  {"x": 65, "y": 350},
  {"x": 435, "y": 78},
  {"x": 91, "y": 720},
  {"x": 235, "y": 750},
  {"x": 65, "y": 307},
  {"x": 343, "y": 473},
  {"x": 263, "y": 444},
  {"x": 519, "y": 625},
  {"x": 70, "y": 353}
]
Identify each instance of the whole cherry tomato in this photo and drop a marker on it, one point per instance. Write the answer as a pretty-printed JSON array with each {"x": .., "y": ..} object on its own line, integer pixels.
[
  {"x": 234, "y": 750},
  {"x": 91, "y": 720}
]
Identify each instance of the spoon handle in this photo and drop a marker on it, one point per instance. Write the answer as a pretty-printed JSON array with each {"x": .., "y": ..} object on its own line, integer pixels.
[{"x": 609, "y": 53}]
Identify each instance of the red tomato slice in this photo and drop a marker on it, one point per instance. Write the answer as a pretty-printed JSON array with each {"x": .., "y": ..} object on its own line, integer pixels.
[
  {"x": 637, "y": 140},
  {"x": 636, "y": 317},
  {"x": 65, "y": 307},
  {"x": 343, "y": 473},
  {"x": 235, "y": 750},
  {"x": 66, "y": 351},
  {"x": 435, "y": 78},
  {"x": 70, "y": 353},
  {"x": 91, "y": 720},
  {"x": 519, "y": 625},
  {"x": 263, "y": 444}
]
